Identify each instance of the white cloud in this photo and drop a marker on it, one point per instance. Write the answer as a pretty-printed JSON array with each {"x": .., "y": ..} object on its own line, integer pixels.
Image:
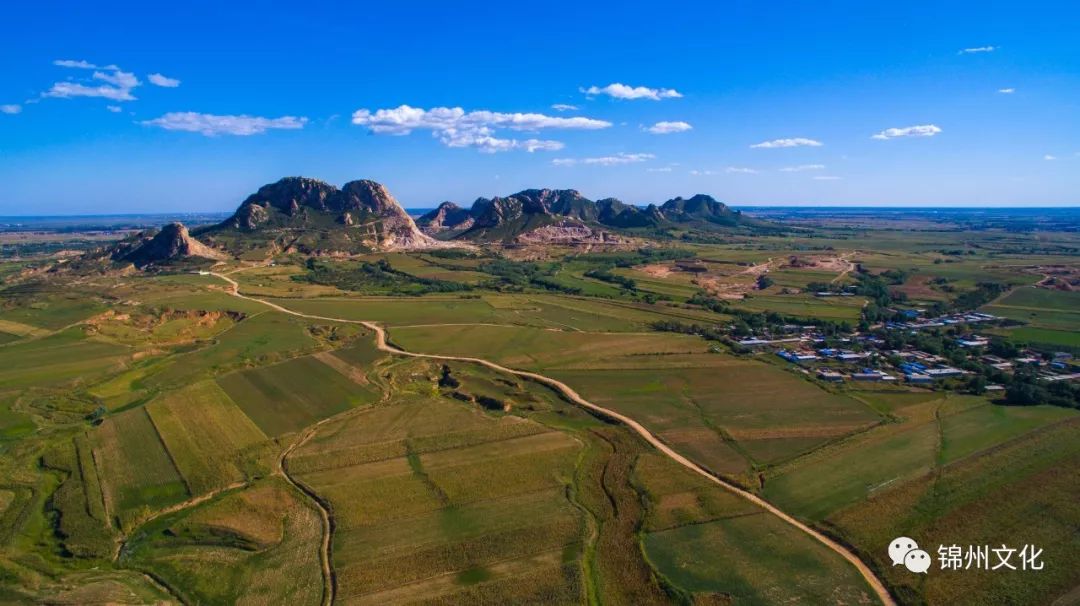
[
  {"x": 1006, "y": 91},
  {"x": 793, "y": 142},
  {"x": 563, "y": 107},
  {"x": 117, "y": 87},
  {"x": 10, "y": 109},
  {"x": 825, "y": 178},
  {"x": 482, "y": 140},
  {"x": 114, "y": 108},
  {"x": 160, "y": 80},
  {"x": 666, "y": 128},
  {"x": 66, "y": 90},
  {"x": 802, "y": 168},
  {"x": 455, "y": 127},
  {"x": 80, "y": 64},
  {"x": 1049, "y": 157},
  {"x": 212, "y": 125},
  {"x": 740, "y": 170},
  {"x": 698, "y": 173},
  {"x": 978, "y": 49},
  {"x": 662, "y": 169},
  {"x": 623, "y": 91},
  {"x": 404, "y": 119},
  {"x": 922, "y": 130},
  {"x": 119, "y": 79},
  {"x": 617, "y": 159}
]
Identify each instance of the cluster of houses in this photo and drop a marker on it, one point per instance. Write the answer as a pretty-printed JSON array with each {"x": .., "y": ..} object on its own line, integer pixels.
[
  {"x": 866, "y": 360},
  {"x": 917, "y": 368},
  {"x": 913, "y": 322}
]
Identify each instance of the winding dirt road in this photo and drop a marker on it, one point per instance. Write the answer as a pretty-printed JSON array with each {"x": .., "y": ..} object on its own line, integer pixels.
[
  {"x": 325, "y": 554},
  {"x": 380, "y": 339}
]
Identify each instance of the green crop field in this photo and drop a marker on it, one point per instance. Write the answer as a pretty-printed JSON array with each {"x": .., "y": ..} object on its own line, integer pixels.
[
  {"x": 260, "y": 339},
  {"x": 205, "y": 434},
  {"x": 52, "y": 312},
  {"x": 1020, "y": 489},
  {"x": 536, "y": 348},
  {"x": 137, "y": 472},
  {"x": 286, "y": 397},
  {"x": 431, "y": 309},
  {"x": 729, "y": 414},
  {"x": 806, "y": 306},
  {"x": 435, "y": 498},
  {"x": 933, "y": 433},
  {"x": 57, "y": 359},
  {"x": 253, "y": 546}
]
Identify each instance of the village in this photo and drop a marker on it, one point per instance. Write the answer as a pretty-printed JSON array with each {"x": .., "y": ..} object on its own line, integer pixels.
[{"x": 888, "y": 353}]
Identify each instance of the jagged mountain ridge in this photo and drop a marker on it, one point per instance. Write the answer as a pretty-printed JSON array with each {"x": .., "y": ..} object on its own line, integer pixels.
[
  {"x": 311, "y": 216},
  {"x": 510, "y": 217}
]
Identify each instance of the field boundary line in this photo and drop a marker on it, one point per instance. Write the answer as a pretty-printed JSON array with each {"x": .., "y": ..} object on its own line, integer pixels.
[
  {"x": 868, "y": 575},
  {"x": 168, "y": 453}
]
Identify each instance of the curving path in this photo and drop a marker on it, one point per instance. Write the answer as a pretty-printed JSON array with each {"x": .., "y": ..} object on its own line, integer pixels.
[
  {"x": 325, "y": 554},
  {"x": 380, "y": 340}
]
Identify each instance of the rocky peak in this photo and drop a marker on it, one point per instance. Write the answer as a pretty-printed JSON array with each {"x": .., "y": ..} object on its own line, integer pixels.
[
  {"x": 289, "y": 195},
  {"x": 365, "y": 208},
  {"x": 697, "y": 204},
  {"x": 172, "y": 242},
  {"x": 367, "y": 195},
  {"x": 564, "y": 202},
  {"x": 447, "y": 216}
]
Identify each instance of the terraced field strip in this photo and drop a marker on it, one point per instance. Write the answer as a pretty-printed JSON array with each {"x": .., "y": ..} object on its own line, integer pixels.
[
  {"x": 21, "y": 330},
  {"x": 380, "y": 335}
]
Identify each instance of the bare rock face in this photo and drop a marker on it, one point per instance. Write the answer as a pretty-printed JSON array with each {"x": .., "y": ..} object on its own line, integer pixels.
[
  {"x": 171, "y": 243},
  {"x": 396, "y": 229},
  {"x": 366, "y": 195},
  {"x": 249, "y": 216}
]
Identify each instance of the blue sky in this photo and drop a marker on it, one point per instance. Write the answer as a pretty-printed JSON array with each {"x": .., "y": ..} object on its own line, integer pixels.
[{"x": 125, "y": 107}]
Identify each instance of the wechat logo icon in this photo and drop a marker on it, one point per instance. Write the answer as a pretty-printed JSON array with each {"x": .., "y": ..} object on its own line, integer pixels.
[{"x": 906, "y": 551}]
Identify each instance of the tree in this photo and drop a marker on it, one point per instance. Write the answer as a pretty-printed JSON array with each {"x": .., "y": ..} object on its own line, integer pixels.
[
  {"x": 977, "y": 384},
  {"x": 1024, "y": 393}
]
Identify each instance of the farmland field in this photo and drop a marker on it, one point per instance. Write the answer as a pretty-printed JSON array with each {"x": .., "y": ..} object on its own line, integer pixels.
[
  {"x": 285, "y": 397},
  {"x": 57, "y": 359},
  {"x": 205, "y": 434},
  {"x": 728, "y": 413},
  {"x": 261, "y": 339},
  {"x": 246, "y": 547},
  {"x": 139, "y": 475},
  {"x": 1023, "y": 485}
]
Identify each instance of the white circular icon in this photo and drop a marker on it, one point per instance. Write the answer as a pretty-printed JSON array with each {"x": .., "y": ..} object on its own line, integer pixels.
[
  {"x": 899, "y": 548},
  {"x": 917, "y": 561}
]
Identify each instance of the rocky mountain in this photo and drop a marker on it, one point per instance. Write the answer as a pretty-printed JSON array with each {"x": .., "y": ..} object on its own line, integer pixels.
[
  {"x": 615, "y": 213},
  {"x": 310, "y": 216},
  {"x": 446, "y": 217},
  {"x": 700, "y": 208},
  {"x": 171, "y": 243},
  {"x": 514, "y": 217}
]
